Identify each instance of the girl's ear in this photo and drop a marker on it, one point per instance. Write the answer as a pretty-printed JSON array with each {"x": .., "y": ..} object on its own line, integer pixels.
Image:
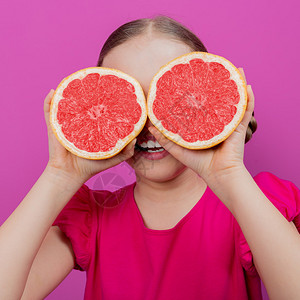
[{"x": 252, "y": 126}]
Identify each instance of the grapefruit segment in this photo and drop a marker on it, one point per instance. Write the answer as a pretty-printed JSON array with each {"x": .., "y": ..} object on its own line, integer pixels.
[
  {"x": 197, "y": 100},
  {"x": 95, "y": 112}
]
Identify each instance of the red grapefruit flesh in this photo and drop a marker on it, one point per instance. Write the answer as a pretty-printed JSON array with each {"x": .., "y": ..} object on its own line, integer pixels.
[
  {"x": 95, "y": 112},
  {"x": 197, "y": 100}
]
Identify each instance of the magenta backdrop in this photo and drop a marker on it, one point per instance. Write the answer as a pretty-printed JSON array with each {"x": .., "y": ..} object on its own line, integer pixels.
[{"x": 45, "y": 41}]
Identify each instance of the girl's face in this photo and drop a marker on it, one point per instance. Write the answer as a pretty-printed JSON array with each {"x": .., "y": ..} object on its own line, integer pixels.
[{"x": 141, "y": 57}]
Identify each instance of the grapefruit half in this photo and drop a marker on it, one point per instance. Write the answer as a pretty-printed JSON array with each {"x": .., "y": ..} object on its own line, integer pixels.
[
  {"x": 95, "y": 112},
  {"x": 197, "y": 100}
]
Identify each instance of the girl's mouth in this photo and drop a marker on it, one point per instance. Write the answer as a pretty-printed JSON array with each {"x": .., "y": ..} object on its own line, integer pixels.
[
  {"x": 149, "y": 146},
  {"x": 150, "y": 149}
]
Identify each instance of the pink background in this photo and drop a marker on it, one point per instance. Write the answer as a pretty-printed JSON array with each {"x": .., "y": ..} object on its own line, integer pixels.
[{"x": 45, "y": 41}]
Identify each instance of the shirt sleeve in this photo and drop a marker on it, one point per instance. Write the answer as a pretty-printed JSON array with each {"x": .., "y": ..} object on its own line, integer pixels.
[
  {"x": 285, "y": 196},
  {"x": 76, "y": 221}
]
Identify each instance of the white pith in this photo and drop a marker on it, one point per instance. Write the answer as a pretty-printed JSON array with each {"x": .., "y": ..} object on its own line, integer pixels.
[
  {"x": 241, "y": 106},
  {"x": 122, "y": 142}
]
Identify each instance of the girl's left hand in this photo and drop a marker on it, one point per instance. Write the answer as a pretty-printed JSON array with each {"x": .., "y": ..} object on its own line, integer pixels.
[{"x": 217, "y": 161}]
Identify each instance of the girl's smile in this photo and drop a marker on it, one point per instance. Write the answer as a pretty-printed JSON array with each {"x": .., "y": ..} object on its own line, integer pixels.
[
  {"x": 151, "y": 150},
  {"x": 148, "y": 147}
]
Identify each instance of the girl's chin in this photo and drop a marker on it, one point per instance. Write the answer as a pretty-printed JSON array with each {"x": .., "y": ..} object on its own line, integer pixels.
[
  {"x": 156, "y": 168},
  {"x": 159, "y": 175}
]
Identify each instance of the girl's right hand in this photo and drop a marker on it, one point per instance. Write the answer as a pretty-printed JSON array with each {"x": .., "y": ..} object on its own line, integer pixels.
[{"x": 75, "y": 167}]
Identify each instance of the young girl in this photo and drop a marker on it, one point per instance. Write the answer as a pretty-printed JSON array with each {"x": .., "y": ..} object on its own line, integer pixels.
[{"x": 194, "y": 225}]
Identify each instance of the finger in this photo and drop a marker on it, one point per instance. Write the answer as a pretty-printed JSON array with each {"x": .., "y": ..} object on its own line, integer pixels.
[
  {"x": 171, "y": 147},
  {"x": 47, "y": 103},
  {"x": 128, "y": 151},
  {"x": 250, "y": 107},
  {"x": 125, "y": 154},
  {"x": 251, "y": 100},
  {"x": 243, "y": 74}
]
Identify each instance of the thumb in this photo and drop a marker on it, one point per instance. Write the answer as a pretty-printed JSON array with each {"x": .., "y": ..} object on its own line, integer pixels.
[{"x": 47, "y": 103}]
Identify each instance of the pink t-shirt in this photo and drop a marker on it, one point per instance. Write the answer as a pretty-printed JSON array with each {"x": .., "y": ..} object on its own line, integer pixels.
[{"x": 205, "y": 256}]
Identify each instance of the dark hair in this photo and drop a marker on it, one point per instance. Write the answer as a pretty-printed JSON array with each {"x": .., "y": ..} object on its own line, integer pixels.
[
  {"x": 160, "y": 24},
  {"x": 164, "y": 25}
]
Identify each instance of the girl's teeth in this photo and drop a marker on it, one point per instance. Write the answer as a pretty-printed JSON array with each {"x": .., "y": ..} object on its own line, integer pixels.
[
  {"x": 159, "y": 150},
  {"x": 151, "y": 144},
  {"x": 157, "y": 144}
]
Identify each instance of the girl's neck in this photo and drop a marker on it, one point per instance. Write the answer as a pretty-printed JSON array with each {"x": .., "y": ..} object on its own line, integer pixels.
[{"x": 186, "y": 185}]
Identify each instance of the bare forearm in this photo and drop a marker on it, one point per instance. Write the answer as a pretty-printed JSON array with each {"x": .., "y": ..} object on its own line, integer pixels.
[
  {"x": 23, "y": 232},
  {"x": 275, "y": 244}
]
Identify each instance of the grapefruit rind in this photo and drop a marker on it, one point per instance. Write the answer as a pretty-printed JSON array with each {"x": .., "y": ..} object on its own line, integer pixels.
[
  {"x": 229, "y": 128},
  {"x": 57, "y": 96}
]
